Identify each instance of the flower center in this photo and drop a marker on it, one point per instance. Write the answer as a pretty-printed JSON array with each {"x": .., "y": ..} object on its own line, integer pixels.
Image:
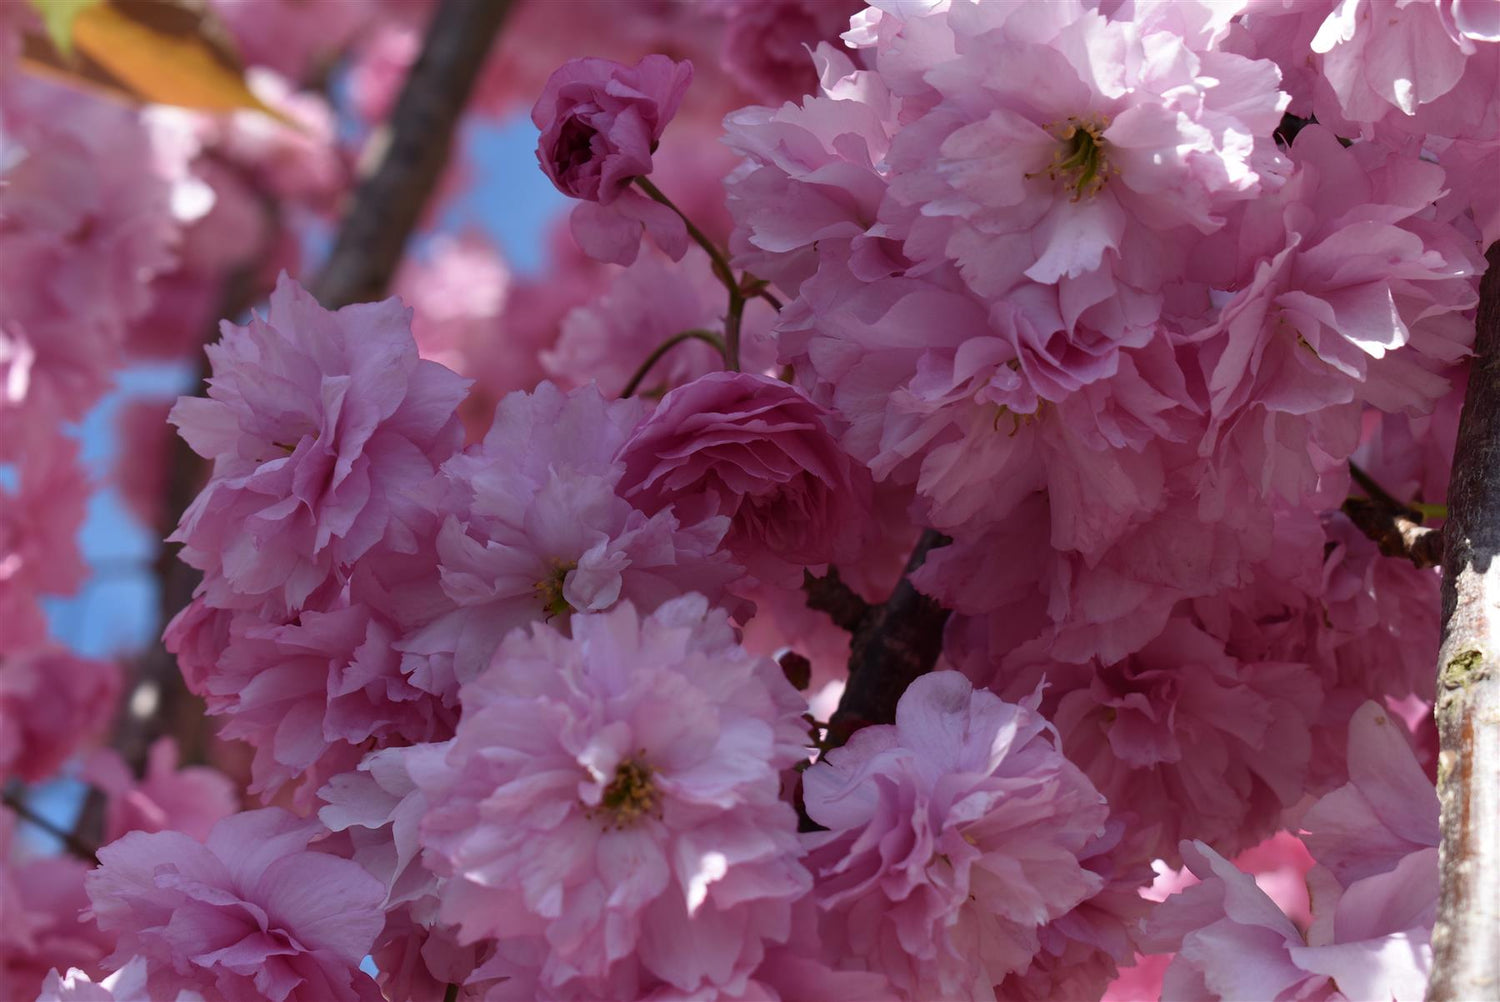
[
  {"x": 630, "y": 794},
  {"x": 1081, "y": 162},
  {"x": 549, "y": 590}
]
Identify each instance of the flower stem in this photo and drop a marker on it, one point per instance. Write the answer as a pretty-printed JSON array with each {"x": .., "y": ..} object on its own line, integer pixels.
[
  {"x": 720, "y": 262},
  {"x": 740, "y": 290},
  {"x": 707, "y": 337}
]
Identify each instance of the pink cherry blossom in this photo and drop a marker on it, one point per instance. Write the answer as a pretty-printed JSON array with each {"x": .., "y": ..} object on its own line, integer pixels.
[
  {"x": 766, "y": 45},
  {"x": 250, "y": 913},
  {"x": 533, "y": 529},
  {"x": 84, "y": 224},
  {"x": 41, "y": 924},
  {"x": 128, "y": 984},
  {"x": 616, "y": 795},
  {"x": 760, "y": 452},
  {"x": 1197, "y": 741},
  {"x": 52, "y": 703},
  {"x": 190, "y": 800},
  {"x": 318, "y": 424},
  {"x": 40, "y": 513},
  {"x": 954, "y": 835},
  {"x": 601, "y": 121},
  {"x": 312, "y": 696}
]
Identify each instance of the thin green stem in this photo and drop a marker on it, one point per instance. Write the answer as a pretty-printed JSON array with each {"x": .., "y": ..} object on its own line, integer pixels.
[
  {"x": 707, "y": 337},
  {"x": 720, "y": 262},
  {"x": 450, "y": 994}
]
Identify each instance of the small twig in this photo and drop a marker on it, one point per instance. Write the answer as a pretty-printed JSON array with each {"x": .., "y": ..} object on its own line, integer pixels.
[
  {"x": 1465, "y": 957},
  {"x": 894, "y": 643},
  {"x": 390, "y": 200},
  {"x": 1395, "y": 527},
  {"x": 707, "y": 337},
  {"x": 1395, "y": 532},
  {"x": 75, "y": 845}
]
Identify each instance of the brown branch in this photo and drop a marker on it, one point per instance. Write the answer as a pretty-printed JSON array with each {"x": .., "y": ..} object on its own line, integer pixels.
[
  {"x": 1398, "y": 531},
  {"x": 830, "y": 594},
  {"x": 892, "y": 645},
  {"x": 390, "y": 200},
  {"x": 1466, "y": 938}
]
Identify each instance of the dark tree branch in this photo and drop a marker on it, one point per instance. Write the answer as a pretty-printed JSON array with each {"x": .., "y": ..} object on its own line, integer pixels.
[
  {"x": 830, "y": 594},
  {"x": 1466, "y": 939},
  {"x": 75, "y": 845},
  {"x": 892, "y": 645},
  {"x": 390, "y": 200},
  {"x": 1398, "y": 531}
]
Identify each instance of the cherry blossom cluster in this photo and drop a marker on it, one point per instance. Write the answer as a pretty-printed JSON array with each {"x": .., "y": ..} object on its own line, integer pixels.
[{"x": 506, "y": 580}]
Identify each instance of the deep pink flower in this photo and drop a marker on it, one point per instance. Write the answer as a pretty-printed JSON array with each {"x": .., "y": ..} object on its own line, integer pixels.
[
  {"x": 616, "y": 795},
  {"x": 760, "y": 452},
  {"x": 954, "y": 834},
  {"x": 601, "y": 121},
  {"x": 767, "y": 45},
  {"x": 318, "y": 424},
  {"x": 250, "y": 914},
  {"x": 52, "y": 702}
]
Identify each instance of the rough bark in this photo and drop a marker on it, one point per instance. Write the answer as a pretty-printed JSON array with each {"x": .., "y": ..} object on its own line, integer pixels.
[
  {"x": 390, "y": 199},
  {"x": 891, "y": 645},
  {"x": 1466, "y": 939}
]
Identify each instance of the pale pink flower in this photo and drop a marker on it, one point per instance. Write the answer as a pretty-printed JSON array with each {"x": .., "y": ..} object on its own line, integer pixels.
[
  {"x": 758, "y": 451},
  {"x": 1357, "y": 293},
  {"x": 319, "y": 424},
  {"x": 128, "y": 984},
  {"x": 533, "y": 528},
  {"x": 1374, "y": 894},
  {"x": 52, "y": 703},
  {"x": 249, "y": 914},
  {"x": 1232, "y": 942},
  {"x": 190, "y": 800},
  {"x": 813, "y": 176},
  {"x": 616, "y": 794},
  {"x": 1089, "y": 162},
  {"x": 1423, "y": 66},
  {"x": 290, "y": 37},
  {"x": 955, "y": 834}
]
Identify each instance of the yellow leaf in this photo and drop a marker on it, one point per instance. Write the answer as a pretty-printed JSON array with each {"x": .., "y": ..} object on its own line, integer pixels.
[
  {"x": 57, "y": 17},
  {"x": 157, "y": 51}
]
